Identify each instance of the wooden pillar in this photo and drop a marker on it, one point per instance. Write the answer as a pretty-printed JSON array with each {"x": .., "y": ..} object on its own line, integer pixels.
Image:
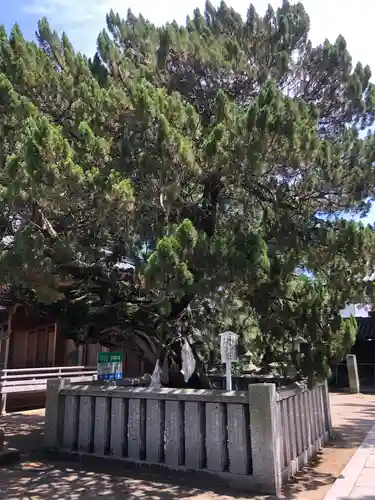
[
  {"x": 80, "y": 355},
  {"x": 6, "y": 358},
  {"x": 69, "y": 350},
  {"x": 51, "y": 345}
]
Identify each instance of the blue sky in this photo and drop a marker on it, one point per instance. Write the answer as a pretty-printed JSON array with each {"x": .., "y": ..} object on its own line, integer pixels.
[{"x": 83, "y": 19}]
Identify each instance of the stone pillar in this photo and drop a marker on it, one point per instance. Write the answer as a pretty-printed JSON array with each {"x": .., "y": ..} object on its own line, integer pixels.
[
  {"x": 265, "y": 437},
  {"x": 54, "y": 410},
  {"x": 351, "y": 363}
]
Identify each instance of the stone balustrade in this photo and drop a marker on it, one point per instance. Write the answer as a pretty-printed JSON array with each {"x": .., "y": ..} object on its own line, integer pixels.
[{"x": 251, "y": 439}]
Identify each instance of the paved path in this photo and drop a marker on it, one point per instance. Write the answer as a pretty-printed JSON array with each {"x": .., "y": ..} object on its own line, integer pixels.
[
  {"x": 357, "y": 480},
  {"x": 353, "y": 415}
]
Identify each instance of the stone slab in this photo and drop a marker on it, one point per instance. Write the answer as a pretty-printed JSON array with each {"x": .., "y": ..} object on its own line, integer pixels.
[
  {"x": 194, "y": 435},
  {"x": 216, "y": 448},
  {"x": 174, "y": 433},
  {"x": 85, "y": 424},
  {"x": 238, "y": 439},
  {"x": 136, "y": 429},
  {"x": 366, "y": 478},
  {"x": 119, "y": 424},
  {"x": 101, "y": 437},
  {"x": 363, "y": 493},
  {"x": 155, "y": 427},
  {"x": 70, "y": 422}
]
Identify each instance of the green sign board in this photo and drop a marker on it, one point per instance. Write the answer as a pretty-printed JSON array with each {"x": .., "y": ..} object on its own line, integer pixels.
[{"x": 110, "y": 365}]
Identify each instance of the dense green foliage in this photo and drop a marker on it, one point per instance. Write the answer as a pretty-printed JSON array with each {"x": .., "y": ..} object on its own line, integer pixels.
[{"x": 205, "y": 155}]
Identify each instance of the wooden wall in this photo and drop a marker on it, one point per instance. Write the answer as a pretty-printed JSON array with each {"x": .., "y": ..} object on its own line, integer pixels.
[
  {"x": 34, "y": 348},
  {"x": 3, "y": 343},
  {"x": 36, "y": 342}
]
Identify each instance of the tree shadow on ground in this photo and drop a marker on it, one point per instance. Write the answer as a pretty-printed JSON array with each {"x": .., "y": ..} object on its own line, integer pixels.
[
  {"x": 23, "y": 431},
  {"x": 308, "y": 479},
  {"x": 72, "y": 480},
  {"x": 352, "y": 431},
  {"x": 47, "y": 478}
]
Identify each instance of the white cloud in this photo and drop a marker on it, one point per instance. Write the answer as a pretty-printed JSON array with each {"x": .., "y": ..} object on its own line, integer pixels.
[
  {"x": 83, "y": 19},
  {"x": 80, "y": 19}
]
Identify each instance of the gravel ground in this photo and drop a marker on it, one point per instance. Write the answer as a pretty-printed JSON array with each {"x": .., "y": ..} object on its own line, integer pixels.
[{"x": 40, "y": 479}]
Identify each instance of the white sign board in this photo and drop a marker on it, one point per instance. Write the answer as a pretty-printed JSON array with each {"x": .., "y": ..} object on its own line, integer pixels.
[{"x": 228, "y": 347}]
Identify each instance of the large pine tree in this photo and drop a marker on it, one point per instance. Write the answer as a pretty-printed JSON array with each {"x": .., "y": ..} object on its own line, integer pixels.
[{"x": 214, "y": 158}]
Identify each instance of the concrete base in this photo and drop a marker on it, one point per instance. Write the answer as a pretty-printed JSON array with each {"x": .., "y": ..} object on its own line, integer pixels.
[
  {"x": 9, "y": 457},
  {"x": 240, "y": 483}
]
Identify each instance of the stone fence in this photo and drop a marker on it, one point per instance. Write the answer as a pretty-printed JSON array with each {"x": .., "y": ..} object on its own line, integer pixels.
[
  {"x": 304, "y": 423},
  {"x": 254, "y": 439}
]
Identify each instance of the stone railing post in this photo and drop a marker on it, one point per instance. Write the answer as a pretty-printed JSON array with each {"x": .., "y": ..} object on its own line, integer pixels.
[
  {"x": 265, "y": 440},
  {"x": 327, "y": 409},
  {"x": 53, "y": 409},
  {"x": 351, "y": 363}
]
